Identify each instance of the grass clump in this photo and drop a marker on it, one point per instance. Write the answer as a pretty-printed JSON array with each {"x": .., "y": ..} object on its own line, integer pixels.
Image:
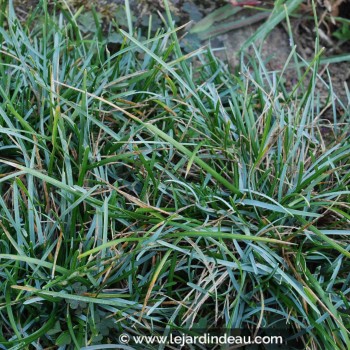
[{"x": 147, "y": 191}]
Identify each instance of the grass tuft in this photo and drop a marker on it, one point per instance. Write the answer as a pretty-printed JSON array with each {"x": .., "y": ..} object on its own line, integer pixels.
[{"x": 149, "y": 191}]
